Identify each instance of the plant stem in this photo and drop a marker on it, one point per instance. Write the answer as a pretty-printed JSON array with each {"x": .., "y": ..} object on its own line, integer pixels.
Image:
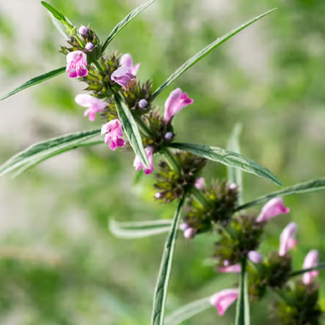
[{"x": 172, "y": 161}]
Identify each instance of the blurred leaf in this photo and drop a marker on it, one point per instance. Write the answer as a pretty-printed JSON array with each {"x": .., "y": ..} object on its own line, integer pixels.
[
  {"x": 160, "y": 294},
  {"x": 200, "y": 55},
  {"x": 131, "y": 129},
  {"x": 235, "y": 174},
  {"x": 311, "y": 186},
  {"x": 41, "y": 151},
  {"x": 35, "y": 81},
  {"x": 242, "y": 313},
  {"x": 124, "y": 22},
  {"x": 139, "y": 229},
  {"x": 188, "y": 311},
  {"x": 227, "y": 158},
  {"x": 300, "y": 272}
]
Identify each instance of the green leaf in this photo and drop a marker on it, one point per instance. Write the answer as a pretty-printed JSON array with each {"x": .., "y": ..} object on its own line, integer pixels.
[
  {"x": 60, "y": 27},
  {"x": 131, "y": 129},
  {"x": 227, "y": 158},
  {"x": 311, "y": 186},
  {"x": 35, "y": 81},
  {"x": 200, "y": 55},
  {"x": 41, "y": 151},
  {"x": 56, "y": 13},
  {"x": 188, "y": 311},
  {"x": 235, "y": 174},
  {"x": 320, "y": 266},
  {"x": 164, "y": 271},
  {"x": 242, "y": 313},
  {"x": 139, "y": 229},
  {"x": 124, "y": 22}
]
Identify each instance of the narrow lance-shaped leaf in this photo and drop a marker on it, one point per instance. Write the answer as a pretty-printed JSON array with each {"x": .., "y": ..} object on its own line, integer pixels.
[
  {"x": 124, "y": 22},
  {"x": 235, "y": 174},
  {"x": 139, "y": 229},
  {"x": 47, "y": 149},
  {"x": 160, "y": 294},
  {"x": 310, "y": 186},
  {"x": 200, "y": 55},
  {"x": 242, "y": 313},
  {"x": 57, "y": 14},
  {"x": 320, "y": 266},
  {"x": 35, "y": 81},
  {"x": 227, "y": 158},
  {"x": 131, "y": 129},
  {"x": 188, "y": 311}
]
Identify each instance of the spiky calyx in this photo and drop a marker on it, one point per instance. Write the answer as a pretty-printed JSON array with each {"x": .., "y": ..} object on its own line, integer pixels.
[
  {"x": 300, "y": 306},
  {"x": 237, "y": 239},
  {"x": 172, "y": 185},
  {"x": 222, "y": 199}
]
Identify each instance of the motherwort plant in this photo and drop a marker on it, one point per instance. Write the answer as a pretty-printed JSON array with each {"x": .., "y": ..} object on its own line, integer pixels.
[{"x": 131, "y": 119}]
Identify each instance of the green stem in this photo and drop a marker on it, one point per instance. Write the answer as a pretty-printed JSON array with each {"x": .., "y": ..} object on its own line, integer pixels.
[
  {"x": 98, "y": 66},
  {"x": 172, "y": 161}
]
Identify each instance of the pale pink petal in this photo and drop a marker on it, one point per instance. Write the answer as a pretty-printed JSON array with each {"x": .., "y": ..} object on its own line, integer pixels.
[
  {"x": 223, "y": 299},
  {"x": 113, "y": 134},
  {"x": 138, "y": 163},
  {"x": 200, "y": 183},
  {"x": 126, "y": 61},
  {"x": 230, "y": 269},
  {"x": 255, "y": 257},
  {"x": 287, "y": 237},
  {"x": 272, "y": 209},
  {"x": 189, "y": 233},
  {"x": 311, "y": 260},
  {"x": 135, "y": 69}
]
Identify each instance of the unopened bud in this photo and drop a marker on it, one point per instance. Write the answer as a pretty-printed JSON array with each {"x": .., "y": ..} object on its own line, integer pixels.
[
  {"x": 190, "y": 233},
  {"x": 143, "y": 104},
  {"x": 83, "y": 30},
  {"x": 169, "y": 135},
  {"x": 232, "y": 186},
  {"x": 89, "y": 47},
  {"x": 184, "y": 226},
  {"x": 157, "y": 195},
  {"x": 255, "y": 257}
]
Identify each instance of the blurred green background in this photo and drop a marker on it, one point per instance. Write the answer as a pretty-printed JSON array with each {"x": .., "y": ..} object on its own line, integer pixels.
[{"x": 58, "y": 262}]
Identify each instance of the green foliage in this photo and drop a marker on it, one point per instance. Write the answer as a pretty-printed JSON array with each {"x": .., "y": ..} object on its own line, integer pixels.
[
  {"x": 227, "y": 158},
  {"x": 57, "y": 15}
]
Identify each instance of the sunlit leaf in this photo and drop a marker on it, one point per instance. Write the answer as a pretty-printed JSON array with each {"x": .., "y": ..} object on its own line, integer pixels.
[
  {"x": 35, "y": 81},
  {"x": 200, "y": 55},
  {"x": 160, "y": 294},
  {"x": 227, "y": 158}
]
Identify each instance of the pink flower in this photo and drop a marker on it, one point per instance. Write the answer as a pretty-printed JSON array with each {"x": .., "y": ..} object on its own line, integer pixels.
[
  {"x": 175, "y": 102},
  {"x": 272, "y": 209},
  {"x": 77, "y": 64},
  {"x": 223, "y": 299},
  {"x": 287, "y": 238},
  {"x": 95, "y": 105},
  {"x": 311, "y": 260},
  {"x": 230, "y": 269},
  {"x": 255, "y": 257},
  {"x": 83, "y": 30},
  {"x": 123, "y": 77},
  {"x": 200, "y": 183},
  {"x": 138, "y": 163},
  {"x": 114, "y": 133},
  {"x": 126, "y": 61},
  {"x": 189, "y": 233}
]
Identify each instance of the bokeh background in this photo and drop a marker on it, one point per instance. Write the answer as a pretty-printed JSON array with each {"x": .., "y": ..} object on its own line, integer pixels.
[{"x": 58, "y": 262}]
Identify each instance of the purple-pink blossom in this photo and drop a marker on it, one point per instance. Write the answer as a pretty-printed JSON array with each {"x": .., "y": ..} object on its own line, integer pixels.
[
  {"x": 113, "y": 134},
  {"x": 139, "y": 165},
  {"x": 272, "y": 209},
  {"x": 255, "y": 257},
  {"x": 223, "y": 299},
  {"x": 287, "y": 238},
  {"x": 94, "y": 105},
  {"x": 127, "y": 61},
  {"x": 77, "y": 64},
  {"x": 175, "y": 102},
  {"x": 311, "y": 260},
  {"x": 200, "y": 183},
  {"x": 230, "y": 269},
  {"x": 123, "y": 77},
  {"x": 189, "y": 233}
]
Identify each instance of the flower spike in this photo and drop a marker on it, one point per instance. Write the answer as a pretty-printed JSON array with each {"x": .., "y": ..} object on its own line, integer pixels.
[
  {"x": 113, "y": 134},
  {"x": 77, "y": 64}
]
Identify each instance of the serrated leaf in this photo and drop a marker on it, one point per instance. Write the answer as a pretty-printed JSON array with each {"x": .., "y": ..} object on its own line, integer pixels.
[
  {"x": 310, "y": 186},
  {"x": 55, "y": 12},
  {"x": 235, "y": 174},
  {"x": 200, "y": 55},
  {"x": 35, "y": 81},
  {"x": 188, "y": 311},
  {"x": 131, "y": 129},
  {"x": 227, "y": 158},
  {"x": 41, "y": 151},
  {"x": 320, "y": 266},
  {"x": 124, "y": 22},
  {"x": 242, "y": 313},
  {"x": 139, "y": 229},
  {"x": 160, "y": 294}
]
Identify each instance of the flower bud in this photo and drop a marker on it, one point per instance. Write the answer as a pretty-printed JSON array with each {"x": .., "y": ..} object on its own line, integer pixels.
[
  {"x": 83, "y": 30},
  {"x": 190, "y": 233},
  {"x": 184, "y": 226},
  {"x": 255, "y": 257},
  {"x": 232, "y": 186},
  {"x": 89, "y": 47},
  {"x": 157, "y": 196},
  {"x": 143, "y": 104},
  {"x": 169, "y": 135}
]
